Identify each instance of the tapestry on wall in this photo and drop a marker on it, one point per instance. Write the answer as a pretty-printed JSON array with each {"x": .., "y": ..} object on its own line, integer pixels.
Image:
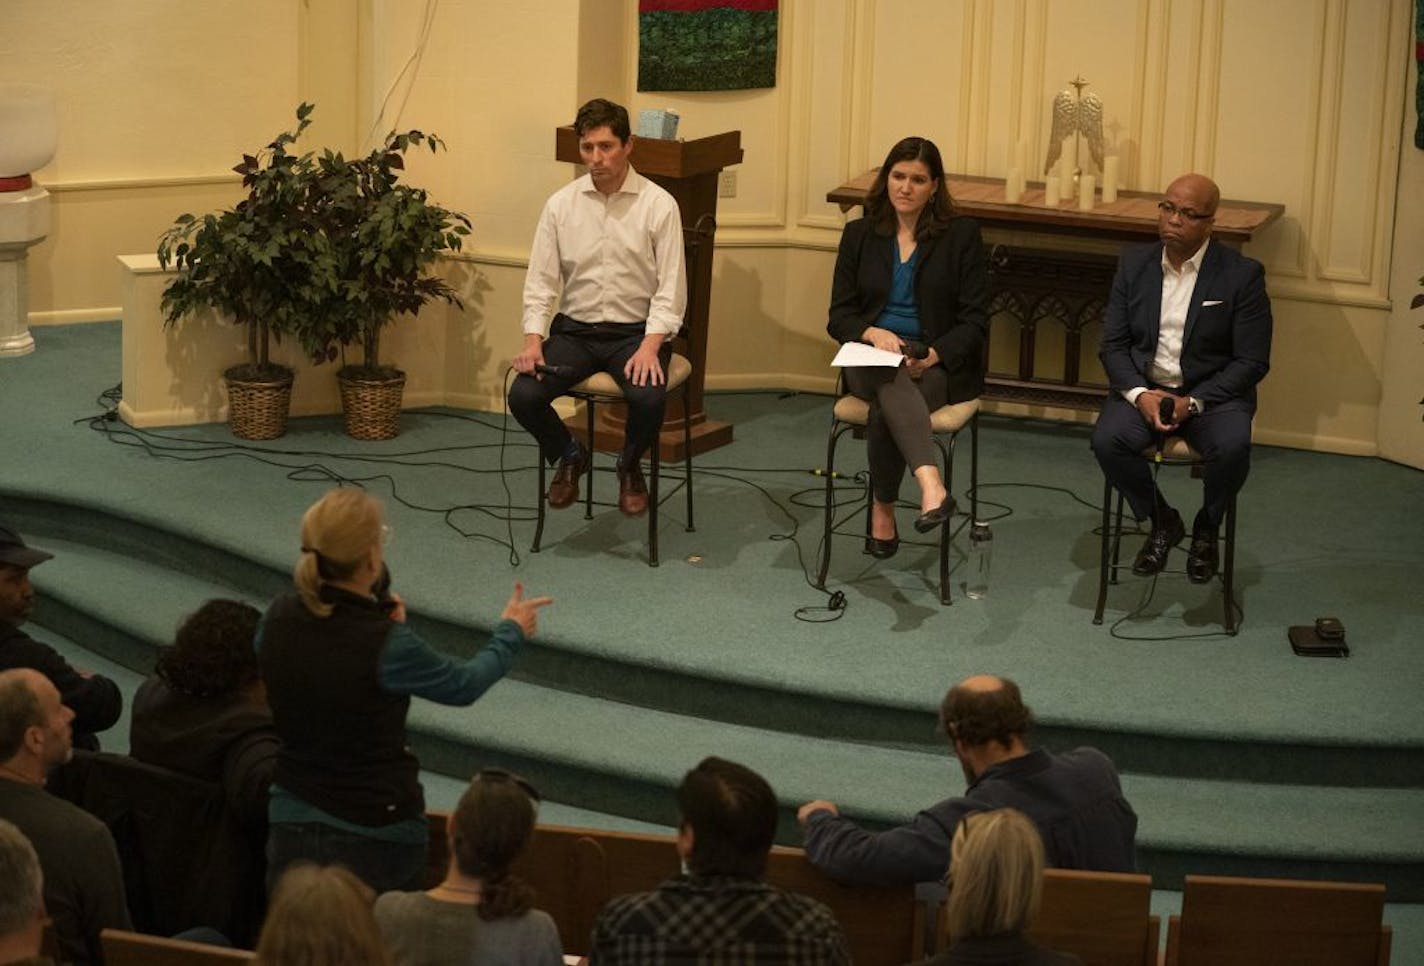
[
  {"x": 1419, "y": 81},
  {"x": 706, "y": 45}
]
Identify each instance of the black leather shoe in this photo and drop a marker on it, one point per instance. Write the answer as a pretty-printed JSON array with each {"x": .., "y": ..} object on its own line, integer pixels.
[
  {"x": 930, "y": 519},
  {"x": 882, "y": 549},
  {"x": 564, "y": 488},
  {"x": 1164, "y": 536},
  {"x": 1202, "y": 557}
]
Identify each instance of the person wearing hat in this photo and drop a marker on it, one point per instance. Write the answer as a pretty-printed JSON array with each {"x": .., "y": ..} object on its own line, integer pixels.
[{"x": 95, "y": 700}]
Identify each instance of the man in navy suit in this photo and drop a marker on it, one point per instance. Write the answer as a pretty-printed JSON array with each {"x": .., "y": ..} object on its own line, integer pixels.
[{"x": 1189, "y": 322}]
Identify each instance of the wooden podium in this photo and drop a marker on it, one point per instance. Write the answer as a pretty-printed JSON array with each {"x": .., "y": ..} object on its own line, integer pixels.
[{"x": 688, "y": 171}]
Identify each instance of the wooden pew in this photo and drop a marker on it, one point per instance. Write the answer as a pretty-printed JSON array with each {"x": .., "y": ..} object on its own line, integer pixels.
[
  {"x": 574, "y": 871},
  {"x": 1102, "y": 917},
  {"x": 122, "y": 948},
  {"x": 1228, "y": 921}
]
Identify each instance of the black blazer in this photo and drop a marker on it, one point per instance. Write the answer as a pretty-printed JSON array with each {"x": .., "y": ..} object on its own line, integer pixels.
[
  {"x": 951, "y": 287},
  {"x": 1226, "y": 348}
]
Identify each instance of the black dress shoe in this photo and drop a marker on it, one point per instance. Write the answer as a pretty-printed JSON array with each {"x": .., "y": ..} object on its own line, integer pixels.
[
  {"x": 1201, "y": 558},
  {"x": 930, "y": 519},
  {"x": 1164, "y": 536},
  {"x": 882, "y": 549}
]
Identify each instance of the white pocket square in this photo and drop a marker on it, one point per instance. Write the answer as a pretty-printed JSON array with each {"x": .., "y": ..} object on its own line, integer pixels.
[{"x": 1210, "y": 302}]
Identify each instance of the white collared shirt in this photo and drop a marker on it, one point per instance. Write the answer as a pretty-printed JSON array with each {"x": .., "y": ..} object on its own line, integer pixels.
[
  {"x": 617, "y": 258},
  {"x": 1177, "y": 288}
]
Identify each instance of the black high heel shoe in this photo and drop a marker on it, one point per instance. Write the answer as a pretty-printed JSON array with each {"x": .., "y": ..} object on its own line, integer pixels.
[
  {"x": 882, "y": 549},
  {"x": 930, "y": 519}
]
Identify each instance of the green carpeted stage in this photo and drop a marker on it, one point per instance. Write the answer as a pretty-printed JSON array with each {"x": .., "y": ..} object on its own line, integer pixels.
[{"x": 1239, "y": 757}]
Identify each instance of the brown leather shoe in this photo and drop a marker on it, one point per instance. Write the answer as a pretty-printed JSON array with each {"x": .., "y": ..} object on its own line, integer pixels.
[
  {"x": 564, "y": 490},
  {"x": 632, "y": 491}
]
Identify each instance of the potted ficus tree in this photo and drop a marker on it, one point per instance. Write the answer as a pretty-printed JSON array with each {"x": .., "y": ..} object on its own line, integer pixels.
[
  {"x": 263, "y": 263},
  {"x": 385, "y": 235}
]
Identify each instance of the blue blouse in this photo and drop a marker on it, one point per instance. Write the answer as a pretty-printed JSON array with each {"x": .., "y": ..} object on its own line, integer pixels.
[{"x": 902, "y": 312}]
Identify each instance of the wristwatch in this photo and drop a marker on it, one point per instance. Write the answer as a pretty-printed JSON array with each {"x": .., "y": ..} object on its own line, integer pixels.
[{"x": 1193, "y": 407}]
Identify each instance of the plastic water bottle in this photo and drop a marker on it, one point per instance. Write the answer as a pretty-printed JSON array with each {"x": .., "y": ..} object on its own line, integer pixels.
[{"x": 981, "y": 552}]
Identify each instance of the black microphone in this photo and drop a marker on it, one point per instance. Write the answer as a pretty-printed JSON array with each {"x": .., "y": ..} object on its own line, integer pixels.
[
  {"x": 915, "y": 350},
  {"x": 1167, "y": 410},
  {"x": 563, "y": 372}
]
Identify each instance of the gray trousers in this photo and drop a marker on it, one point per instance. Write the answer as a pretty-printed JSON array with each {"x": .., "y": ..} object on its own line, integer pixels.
[{"x": 899, "y": 431}]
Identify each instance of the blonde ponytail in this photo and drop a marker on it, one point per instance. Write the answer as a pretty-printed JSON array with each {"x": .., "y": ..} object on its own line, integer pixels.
[{"x": 338, "y": 531}]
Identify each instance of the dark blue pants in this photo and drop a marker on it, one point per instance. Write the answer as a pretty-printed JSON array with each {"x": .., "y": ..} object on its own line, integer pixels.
[
  {"x": 1222, "y": 435},
  {"x": 384, "y": 866},
  {"x": 587, "y": 348}
]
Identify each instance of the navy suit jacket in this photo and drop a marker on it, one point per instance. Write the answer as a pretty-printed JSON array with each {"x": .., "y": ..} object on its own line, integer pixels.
[
  {"x": 1226, "y": 348},
  {"x": 951, "y": 289}
]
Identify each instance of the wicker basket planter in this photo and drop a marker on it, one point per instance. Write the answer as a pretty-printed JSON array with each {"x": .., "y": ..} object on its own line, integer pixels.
[
  {"x": 371, "y": 403},
  {"x": 257, "y": 407}
]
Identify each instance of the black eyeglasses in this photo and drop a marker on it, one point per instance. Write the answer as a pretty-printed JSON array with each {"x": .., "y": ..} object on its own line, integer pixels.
[
  {"x": 1169, "y": 209},
  {"x": 500, "y": 775}
]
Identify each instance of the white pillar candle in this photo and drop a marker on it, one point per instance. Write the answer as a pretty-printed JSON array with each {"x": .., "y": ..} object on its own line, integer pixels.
[
  {"x": 1086, "y": 184},
  {"x": 1050, "y": 189},
  {"x": 1070, "y": 164},
  {"x": 1014, "y": 186},
  {"x": 1110, "y": 179}
]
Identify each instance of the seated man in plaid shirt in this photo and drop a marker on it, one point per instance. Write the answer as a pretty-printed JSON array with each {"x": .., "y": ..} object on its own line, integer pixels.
[{"x": 719, "y": 910}]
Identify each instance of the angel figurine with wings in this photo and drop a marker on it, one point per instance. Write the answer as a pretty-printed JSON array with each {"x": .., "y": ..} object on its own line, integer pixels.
[{"x": 1076, "y": 113}]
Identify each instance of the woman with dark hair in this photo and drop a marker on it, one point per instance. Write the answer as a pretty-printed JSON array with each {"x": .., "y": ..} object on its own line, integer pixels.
[
  {"x": 341, "y": 666},
  {"x": 204, "y": 712},
  {"x": 910, "y": 275},
  {"x": 480, "y": 913}
]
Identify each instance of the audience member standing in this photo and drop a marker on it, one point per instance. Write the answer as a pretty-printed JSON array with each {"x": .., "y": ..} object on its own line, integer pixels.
[
  {"x": 83, "y": 883},
  {"x": 321, "y": 916},
  {"x": 22, "y": 911},
  {"x": 94, "y": 699},
  {"x": 995, "y": 886},
  {"x": 480, "y": 913},
  {"x": 1074, "y": 798},
  {"x": 204, "y": 712},
  {"x": 341, "y": 665},
  {"x": 719, "y": 911}
]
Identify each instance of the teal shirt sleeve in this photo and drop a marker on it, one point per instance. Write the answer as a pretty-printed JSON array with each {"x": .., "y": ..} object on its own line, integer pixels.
[{"x": 410, "y": 666}]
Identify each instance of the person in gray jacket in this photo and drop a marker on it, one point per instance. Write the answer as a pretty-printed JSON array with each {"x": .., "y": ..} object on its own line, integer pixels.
[{"x": 1074, "y": 799}]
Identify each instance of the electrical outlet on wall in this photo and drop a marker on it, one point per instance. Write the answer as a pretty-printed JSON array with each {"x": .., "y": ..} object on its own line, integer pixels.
[{"x": 727, "y": 184}]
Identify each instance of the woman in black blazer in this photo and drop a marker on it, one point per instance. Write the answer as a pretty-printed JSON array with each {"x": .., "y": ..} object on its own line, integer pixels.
[{"x": 911, "y": 274}]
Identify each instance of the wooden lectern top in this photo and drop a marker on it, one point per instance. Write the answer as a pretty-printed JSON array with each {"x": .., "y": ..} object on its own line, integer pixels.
[{"x": 668, "y": 159}]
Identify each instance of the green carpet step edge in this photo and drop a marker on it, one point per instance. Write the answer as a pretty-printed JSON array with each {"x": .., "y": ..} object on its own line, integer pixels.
[{"x": 125, "y": 603}]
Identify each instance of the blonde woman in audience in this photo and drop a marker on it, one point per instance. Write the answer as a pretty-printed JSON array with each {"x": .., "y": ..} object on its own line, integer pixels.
[
  {"x": 341, "y": 664},
  {"x": 480, "y": 913},
  {"x": 995, "y": 884},
  {"x": 321, "y": 916}
]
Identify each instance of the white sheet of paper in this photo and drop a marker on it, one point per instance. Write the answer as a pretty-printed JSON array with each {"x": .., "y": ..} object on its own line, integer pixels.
[{"x": 860, "y": 354}]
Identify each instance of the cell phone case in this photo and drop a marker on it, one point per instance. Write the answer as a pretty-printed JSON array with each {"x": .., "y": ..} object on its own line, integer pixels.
[{"x": 1305, "y": 642}]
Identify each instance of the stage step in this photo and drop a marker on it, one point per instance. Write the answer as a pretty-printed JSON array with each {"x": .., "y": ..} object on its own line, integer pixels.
[{"x": 581, "y": 748}]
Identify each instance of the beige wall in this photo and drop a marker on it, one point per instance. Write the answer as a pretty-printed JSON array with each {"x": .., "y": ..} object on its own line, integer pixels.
[{"x": 1294, "y": 101}]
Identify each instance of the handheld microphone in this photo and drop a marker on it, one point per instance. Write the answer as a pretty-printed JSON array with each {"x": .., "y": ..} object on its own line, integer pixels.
[
  {"x": 1166, "y": 409},
  {"x": 563, "y": 372},
  {"x": 915, "y": 350}
]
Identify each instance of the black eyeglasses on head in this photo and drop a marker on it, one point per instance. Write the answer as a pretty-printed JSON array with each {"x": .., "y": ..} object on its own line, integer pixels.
[{"x": 500, "y": 775}]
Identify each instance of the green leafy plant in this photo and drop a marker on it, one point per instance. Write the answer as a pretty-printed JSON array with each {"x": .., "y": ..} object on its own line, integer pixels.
[
  {"x": 265, "y": 262},
  {"x": 384, "y": 235}
]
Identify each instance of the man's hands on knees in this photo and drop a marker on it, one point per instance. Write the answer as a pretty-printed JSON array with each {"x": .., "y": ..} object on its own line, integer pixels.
[
  {"x": 1149, "y": 404},
  {"x": 531, "y": 355},
  {"x": 523, "y": 612},
  {"x": 644, "y": 368}
]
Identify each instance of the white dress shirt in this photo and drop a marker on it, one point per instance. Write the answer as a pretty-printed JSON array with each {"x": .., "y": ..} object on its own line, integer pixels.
[
  {"x": 617, "y": 258},
  {"x": 1177, "y": 288}
]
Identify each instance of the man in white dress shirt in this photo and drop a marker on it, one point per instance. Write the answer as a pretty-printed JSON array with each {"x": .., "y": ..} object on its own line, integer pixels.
[
  {"x": 608, "y": 256},
  {"x": 1186, "y": 337}
]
